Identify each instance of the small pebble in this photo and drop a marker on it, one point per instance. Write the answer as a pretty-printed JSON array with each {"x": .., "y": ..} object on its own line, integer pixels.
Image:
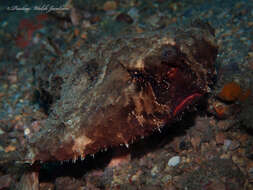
[
  {"x": 95, "y": 19},
  {"x": 225, "y": 156},
  {"x": 220, "y": 137},
  {"x": 19, "y": 55},
  {"x": 195, "y": 141},
  {"x": 224, "y": 125},
  {"x": 75, "y": 17},
  {"x": 234, "y": 145},
  {"x": 154, "y": 171},
  {"x": 1, "y": 131},
  {"x": 84, "y": 35},
  {"x": 27, "y": 132},
  {"x": 122, "y": 17},
  {"x": 110, "y": 5},
  {"x": 250, "y": 173},
  {"x": 221, "y": 109},
  {"x": 86, "y": 24},
  {"x": 136, "y": 176},
  {"x": 77, "y": 32},
  {"x": 166, "y": 178},
  {"x": 227, "y": 143},
  {"x": 238, "y": 160},
  {"x": 134, "y": 13},
  {"x": 175, "y": 160},
  {"x": 10, "y": 148}
]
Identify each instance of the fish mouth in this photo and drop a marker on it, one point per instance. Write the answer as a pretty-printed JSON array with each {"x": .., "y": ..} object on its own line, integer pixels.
[
  {"x": 188, "y": 100},
  {"x": 184, "y": 90}
]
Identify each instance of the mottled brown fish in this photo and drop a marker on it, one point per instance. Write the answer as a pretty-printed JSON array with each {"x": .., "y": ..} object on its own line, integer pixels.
[{"x": 115, "y": 92}]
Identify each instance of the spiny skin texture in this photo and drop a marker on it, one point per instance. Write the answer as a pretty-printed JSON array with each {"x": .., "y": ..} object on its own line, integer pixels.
[{"x": 120, "y": 90}]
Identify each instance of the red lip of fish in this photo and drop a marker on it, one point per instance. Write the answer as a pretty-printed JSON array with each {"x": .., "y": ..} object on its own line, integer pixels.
[{"x": 185, "y": 102}]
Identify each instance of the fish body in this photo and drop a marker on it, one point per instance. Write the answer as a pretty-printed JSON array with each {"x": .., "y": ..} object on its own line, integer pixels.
[{"x": 117, "y": 91}]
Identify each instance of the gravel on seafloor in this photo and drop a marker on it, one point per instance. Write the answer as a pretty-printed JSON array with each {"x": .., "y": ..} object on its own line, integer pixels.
[{"x": 213, "y": 152}]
